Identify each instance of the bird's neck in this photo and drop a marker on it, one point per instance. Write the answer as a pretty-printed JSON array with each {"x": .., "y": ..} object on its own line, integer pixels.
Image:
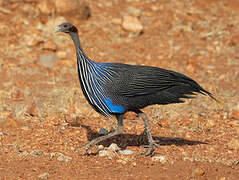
[
  {"x": 79, "y": 50},
  {"x": 76, "y": 40}
]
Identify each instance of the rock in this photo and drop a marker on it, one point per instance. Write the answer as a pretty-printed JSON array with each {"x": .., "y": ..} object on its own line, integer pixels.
[
  {"x": 190, "y": 68},
  {"x": 103, "y": 131},
  {"x": 49, "y": 45},
  {"x": 103, "y": 153},
  {"x": 101, "y": 147},
  {"x": 4, "y": 133},
  {"x": 121, "y": 161},
  {"x": 198, "y": 172},
  {"x": 30, "y": 40},
  {"x": 61, "y": 54},
  {"x": 64, "y": 158},
  {"x": 211, "y": 123},
  {"x": 134, "y": 11},
  {"x": 54, "y": 22},
  {"x": 48, "y": 60},
  {"x": 17, "y": 95},
  {"x": 126, "y": 152},
  {"x": 37, "y": 152},
  {"x": 233, "y": 144},
  {"x": 234, "y": 123},
  {"x": 160, "y": 158},
  {"x": 44, "y": 176},
  {"x": 73, "y": 7},
  {"x": 117, "y": 21},
  {"x": 4, "y": 10},
  {"x": 46, "y": 7},
  {"x": 132, "y": 24},
  {"x": 113, "y": 147},
  {"x": 235, "y": 114}
]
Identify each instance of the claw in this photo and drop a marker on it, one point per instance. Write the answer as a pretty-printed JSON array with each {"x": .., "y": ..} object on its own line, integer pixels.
[{"x": 150, "y": 149}]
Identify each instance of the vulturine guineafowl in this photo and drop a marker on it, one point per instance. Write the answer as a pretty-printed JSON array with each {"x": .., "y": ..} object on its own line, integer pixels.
[{"x": 115, "y": 88}]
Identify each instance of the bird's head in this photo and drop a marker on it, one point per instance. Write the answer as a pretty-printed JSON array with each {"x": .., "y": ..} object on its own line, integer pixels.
[{"x": 66, "y": 28}]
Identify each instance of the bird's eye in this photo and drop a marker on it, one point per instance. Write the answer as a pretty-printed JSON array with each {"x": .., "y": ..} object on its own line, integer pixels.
[{"x": 65, "y": 26}]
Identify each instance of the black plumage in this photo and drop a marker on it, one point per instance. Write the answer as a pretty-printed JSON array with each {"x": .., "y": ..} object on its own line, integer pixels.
[{"x": 115, "y": 88}]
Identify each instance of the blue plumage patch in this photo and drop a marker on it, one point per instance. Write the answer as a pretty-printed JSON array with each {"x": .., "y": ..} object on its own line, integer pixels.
[{"x": 114, "y": 108}]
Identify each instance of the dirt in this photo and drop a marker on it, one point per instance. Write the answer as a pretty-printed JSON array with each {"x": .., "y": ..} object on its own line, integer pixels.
[{"x": 44, "y": 115}]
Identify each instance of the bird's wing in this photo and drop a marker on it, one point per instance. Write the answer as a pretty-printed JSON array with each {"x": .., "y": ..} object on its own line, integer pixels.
[{"x": 142, "y": 80}]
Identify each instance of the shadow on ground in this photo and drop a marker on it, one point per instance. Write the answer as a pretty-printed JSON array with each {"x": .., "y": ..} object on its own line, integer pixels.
[{"x": 125, "y": 140}]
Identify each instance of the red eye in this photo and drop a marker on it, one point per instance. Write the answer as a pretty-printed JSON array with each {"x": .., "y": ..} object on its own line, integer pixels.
[{"x": 65, "y": 26}]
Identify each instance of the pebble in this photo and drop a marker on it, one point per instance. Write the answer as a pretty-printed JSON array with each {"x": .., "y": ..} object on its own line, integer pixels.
[
  {"x": 121, "y": 161},
  {"x": 101, "y": 147},
  {"x": 64, "y": 158},
  {"x": 75, "y": 7},
  {"x": 116, "y": 21},
  {"x": 233, "y": 144},
  {"x": 49, "y": 45},
  {"x": 61, "y": 54},
  {"x": 234, "y": 123},
  {"x": 113, "y": 147},
  {"x": 198, "y": 172},
  {"x": 103, "y": 131},
  {"x": 235, "y": 114},
  {"x": 46, "y": 7},
  {"x": 54, "y": 22},
  {"x": 3, "y": 133},
  {"x": 126, "y": 152},
  {"x": 160, "y": 158},
  {"x": 37, "y": 152},
  {"x": 132, "y": 24},
  {"x": 47, "y": 60},
  {"x": 211, "y": 123},
  {"x": 30, "y": 40},
  {"x": 44, "y": 176},
  {"x": 103, "y": 153},
  {"x": 134, "y": 11}
]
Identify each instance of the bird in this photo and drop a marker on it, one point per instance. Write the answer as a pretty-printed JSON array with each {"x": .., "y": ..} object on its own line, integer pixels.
[{"x": 112, "y": 89}]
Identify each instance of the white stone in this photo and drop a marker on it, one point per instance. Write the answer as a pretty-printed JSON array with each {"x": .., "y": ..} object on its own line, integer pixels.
[{"x": 132, "y": 24}]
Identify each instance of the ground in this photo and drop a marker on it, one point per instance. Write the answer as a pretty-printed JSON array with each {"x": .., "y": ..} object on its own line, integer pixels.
[{"x": 44, "y": 115}]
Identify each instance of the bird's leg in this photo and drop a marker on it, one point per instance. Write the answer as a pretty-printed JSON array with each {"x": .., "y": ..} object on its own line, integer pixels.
[
  {"x": 92, "y": 143},
  {"x": 152, "y": 144}
]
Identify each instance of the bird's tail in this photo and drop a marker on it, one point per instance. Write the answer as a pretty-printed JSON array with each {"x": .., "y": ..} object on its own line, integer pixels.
[{"x": 205, "y": 92}]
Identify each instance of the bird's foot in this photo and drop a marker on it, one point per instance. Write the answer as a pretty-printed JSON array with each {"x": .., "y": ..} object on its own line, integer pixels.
[
  {"x": 89, "y": 146},
  {"x": 92, "y": 143},
  {"x": 150, "y": 149}
]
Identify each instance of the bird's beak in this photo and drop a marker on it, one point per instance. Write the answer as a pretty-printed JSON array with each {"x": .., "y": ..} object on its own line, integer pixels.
[{"x": 58, "y": 29}]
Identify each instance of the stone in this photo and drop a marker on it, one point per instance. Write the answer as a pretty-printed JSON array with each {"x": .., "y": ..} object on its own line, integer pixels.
[
  {"x": 113, "y": 147},
  {"x": 117, "y": 21},
  {"x": 126, "y": 152},
  {"x": 30, "y": 40},
  {"x": 103, "y": 153},
  {"x": 235, "y": 114},
  {"x": 46, "y": 7},
  {"x": 101, "y": 147},
  {"x": 64, "y": 158},
  {"x": 49, "y": 45},
  {"x": 51, "y": 23},
  {"x": 134, "y": 11},
  {"x": 132, "y": 24},
  {"x": 61, "y": 54},
  {"x": 103, "y": 131},
  {"x": 44, "y": 176},
  {"x": 160, "y": 158},
  {"x": 198, "y": 172},
  {"x": 73, "y": 7},
  {"x": 47, "y": 60},
  {"x": 233, "y": 144}
]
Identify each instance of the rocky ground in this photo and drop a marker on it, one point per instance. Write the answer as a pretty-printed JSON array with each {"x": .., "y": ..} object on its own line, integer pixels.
[{"x": 44, "y": 116}]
